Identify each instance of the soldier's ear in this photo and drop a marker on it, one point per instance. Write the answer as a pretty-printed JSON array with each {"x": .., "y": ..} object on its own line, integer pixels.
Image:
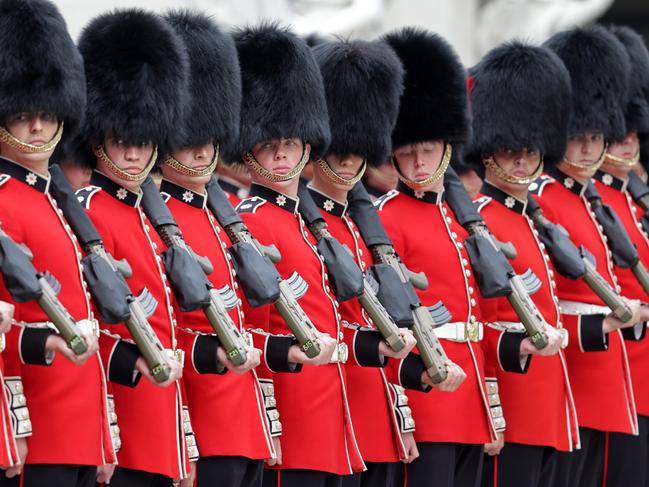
[{"x": 307, "y": 150}]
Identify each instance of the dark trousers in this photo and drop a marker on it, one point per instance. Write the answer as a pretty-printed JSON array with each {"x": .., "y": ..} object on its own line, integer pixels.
[
  {"x": 301, "y": 478},
  {"x": 446, "y": 465},
  {"x": 40, "y": 475},
  {"x": 126, "y": 477},
  {"x": 521, "y": 466},
  {"x": 584, "y": 467},
  {"x": 628, "y": 458},
  {"x": 229, "y": 472},
  {"x": 378, "y": 474}
]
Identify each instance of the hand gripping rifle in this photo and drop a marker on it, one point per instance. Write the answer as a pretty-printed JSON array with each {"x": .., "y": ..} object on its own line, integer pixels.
[
  {"x": 24, "y": 283},
  {"x": 625, "y": 255},
  {"x": 105, "y": 277},
  {"x": 258, "y": 277},
  {"x": 494, "y": 274},
  {"x": 573, "y": 262},
  {"x": 186, "y": 271},
  {"x": 397, "y": 285}
]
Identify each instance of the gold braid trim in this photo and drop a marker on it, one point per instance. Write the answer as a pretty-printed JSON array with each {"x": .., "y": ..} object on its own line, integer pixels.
[
  {"x": 250, "y": 160},
  {"x": 491, "y": 163},
  {"x": 26, "y": 148},
  {"x": 621, "y": 161},
  {"x": 331, "y": 174},
  {"x": 179, "y": 167},
  {"x": 101, "y": 155},
  {"x": 441, "y": 169}
]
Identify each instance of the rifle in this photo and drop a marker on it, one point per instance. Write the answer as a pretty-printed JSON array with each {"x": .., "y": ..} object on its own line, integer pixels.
[
  {"x": 575, "y": 263},
  {"x": 345, "y": 276},
  {"x": 624, "y": 252},
  {"x": 24, "y": 283},
  {"x": 105, "y": 277},
  {"x": 186, "y": 271},
  {"x": 259, "y": 279},
  {"x": 640, "y": 193},
  {"x": 494, "y": 274},
  {"x": 397, "y": 286}
]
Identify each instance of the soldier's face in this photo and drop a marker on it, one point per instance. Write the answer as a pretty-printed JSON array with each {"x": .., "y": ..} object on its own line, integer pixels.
[
  {"x": 520, "y": 163},
  {"x": 418, "y": 162},
  {"x": 626, "y": 149},
  {"x": 197, "y": 158},
  {"x": 585, "y": 149},
  {"x": 279, "y": 156},
  {"x": 32, "y": 128},
  {"x": 132, "y": 159},
  {"x": 346, "y": 166}
]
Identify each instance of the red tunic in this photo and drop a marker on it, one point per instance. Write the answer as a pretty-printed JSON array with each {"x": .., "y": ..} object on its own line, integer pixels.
[
  {"x": 149, "y": 417},
  {"x": 428, "y": 239},
  {"x": 614, "y": 194},
  {"x": 370, "y": 397},
  {"x": 317, "y": 426},
  {"x": 537, "y": 405},
  {"x": 67, "y": 402},
  {"x": 600, "y": 380},
  {"x": 227, "y": 411}
]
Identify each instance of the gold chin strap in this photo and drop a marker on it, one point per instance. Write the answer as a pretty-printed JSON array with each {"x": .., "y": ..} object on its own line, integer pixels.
[
  {"x": 250, "y": 160},
  {"x": 593, "y": 167},
  {"x": 26, "y": 148},
  {"x": 621, "y": 161},
  {"x": 102, "y": 156},
  {"x": 179, "y": 167},
  {"x": 441, "y": 169},
  {"x": 491, "y": 164},
  {"x": 331, "y": 174}
]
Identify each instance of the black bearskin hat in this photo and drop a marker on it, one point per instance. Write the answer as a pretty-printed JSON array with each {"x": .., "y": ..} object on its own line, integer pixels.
[
  {"x": 137, "y": 72},
  {"x": 363, "y": 83},
  {"x": 283, "y": 95},
  {"x": 637, "y": 108},
  {"x": 215, "y": 81},
  {"x": 520, "y": 99},
  {"x": 434, "y": 105},
  {"x": 599, "y": 70},
  {"x": 42, "y": 69}
]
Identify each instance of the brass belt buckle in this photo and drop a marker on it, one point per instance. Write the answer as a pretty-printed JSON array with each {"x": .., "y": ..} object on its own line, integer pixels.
[
  {"x": 340, "y": 354},
  {"x": 472, "y": 331}
]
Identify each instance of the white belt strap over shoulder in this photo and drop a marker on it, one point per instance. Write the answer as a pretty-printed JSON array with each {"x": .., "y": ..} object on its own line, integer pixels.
[
  {"x": 577, "y": 308},
  {"x": 461, "y": 331}
]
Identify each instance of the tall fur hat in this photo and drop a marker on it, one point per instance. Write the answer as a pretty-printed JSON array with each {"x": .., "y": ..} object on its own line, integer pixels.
[
  {"x": 434, "y": 105},
  {"x": 599, "y": 70},
  {"x": 283, "y": 94},
  {"x": 137, "y": 72},
  {"x": 520, "y": 100},
  {"x": 363, "y": 83},
  {"x": 42, "y": 69},
  {"x": 637, "y": 107},
  {"x": 215, "y": 81}
]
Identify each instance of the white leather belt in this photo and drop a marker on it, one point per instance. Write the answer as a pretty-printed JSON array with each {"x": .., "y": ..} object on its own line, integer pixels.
[
  {"x": 90, "y": 327},
  {"x": 460, "y": 331},
  {"x": 577, "y": 308},
  {"x": 178, "y": 355}
]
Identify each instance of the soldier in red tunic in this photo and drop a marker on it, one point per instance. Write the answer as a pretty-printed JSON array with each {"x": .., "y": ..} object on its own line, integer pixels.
[
  {"x": 511, "y": 142},
  {"x": 228, "y": 411},
  {"x": 137, "y": 72},
  {"x": 363, "y": 82},
  {"x": 596, "y": 355},
  {"x": 283, "y": 123},
  {"x": 628, "y": 455},
  {"x": 451, "y": 428},
  {"x": 43, "y": 97}
]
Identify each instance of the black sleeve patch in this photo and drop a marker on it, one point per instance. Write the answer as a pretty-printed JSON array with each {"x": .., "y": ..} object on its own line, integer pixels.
[
  {"x": 250, "y": 205},
  {"x": 84, "y": 195}
]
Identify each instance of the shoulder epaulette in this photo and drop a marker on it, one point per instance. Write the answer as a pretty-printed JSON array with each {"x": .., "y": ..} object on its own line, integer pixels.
[
  {"x": 250, "y": 205},
  {"x": 84, "y": 195},
  {"x": 541, "y": 182},
  {"x": 380, "y": 202},
  {"x": 481, "y": 202},
  {"x": 4, "y": 178}
]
